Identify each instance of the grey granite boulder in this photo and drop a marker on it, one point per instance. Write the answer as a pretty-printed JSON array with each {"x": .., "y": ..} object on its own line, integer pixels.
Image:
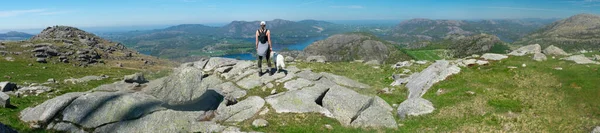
[
  {"x": 306, "y": 100},
  {"x": 65, "y": 127},
  {"x": 307, "y": 74},
  {"x": 377, "y": 114},
  {"x": 84, "y": 79},
  {"x": 580, "y": 59},
  {"x": 421, "y": 82},
  {"x": 297, "y": 84},
  {"x": 42, "y": 114},
  {"x": 250, "y": 82},
  {"x": 539, "y": 57},
  {"x": 182, "y": 86},
  {"x": 99, "y": 108},
  {"x": 414, "y": 107},
  {"x": 492, "y": 56},
  {"x": 344, "y": 103},
  {"x": 553, "y": 50},
  {"x": 260, "y": 123},
  {"x": 319, "y": 59},
  {"x": 529, "y": 49},
  {"x": 238, "y": 68},
  {"x": 241, "y": 111},
  {"x": 344, "y": 81},
  {"x": 118, "y": 86},
  {"x": 135, "y": 78},
  {"x": 166, "y": 121},
  {"x": 229, "y": 89},
  {"x": 217, "y": 62}
]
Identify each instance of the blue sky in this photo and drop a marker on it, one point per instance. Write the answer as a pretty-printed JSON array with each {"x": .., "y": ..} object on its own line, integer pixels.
[{"x": 35, "y": 14}]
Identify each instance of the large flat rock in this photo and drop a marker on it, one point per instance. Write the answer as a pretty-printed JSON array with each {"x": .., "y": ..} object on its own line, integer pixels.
[
  {"x": 344, "y": 103},
  {"x": 241, "y": 111},
  {"x": 421, "y": 82},
  {"x": 217, "y": 62},
  {"x": 414, "y": 107},
  {"x": 42, "y": 114},
  {"x": 297, "y": 84},
  {"x": 344, "y": 81},
  {"x": 529, "y": 49},
  {"x": 300, "y": 101},
  {"x": 307, "y": 74},
  {"x": 182, "y": 86},
  {"x": 580, "y": 59},
  {"x": 167, "y": 121},
  {"x": 98, "y": 108}
]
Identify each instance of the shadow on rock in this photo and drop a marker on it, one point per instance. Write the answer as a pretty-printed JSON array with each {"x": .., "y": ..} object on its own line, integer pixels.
[{"x": 210, "y": 100}]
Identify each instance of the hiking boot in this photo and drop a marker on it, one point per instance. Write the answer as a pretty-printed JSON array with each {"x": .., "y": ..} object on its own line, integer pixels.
[{"x": 259, "y": 72}]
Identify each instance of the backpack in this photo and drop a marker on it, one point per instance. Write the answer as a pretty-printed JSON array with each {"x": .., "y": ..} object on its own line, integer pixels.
[{"x": 262, "y": 36}]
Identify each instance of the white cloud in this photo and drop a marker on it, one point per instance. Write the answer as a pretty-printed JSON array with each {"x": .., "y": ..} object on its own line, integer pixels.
[
  {"x": 310, "y": 2},
  {"x": 349, "y": 7},
  {"x": 54, "y": 12},
  {"x": 12, "y": 13}
]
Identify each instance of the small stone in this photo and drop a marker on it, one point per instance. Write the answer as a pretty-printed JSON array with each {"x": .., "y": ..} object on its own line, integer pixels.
[
  {"x": 558, "y": 68},
  {"x": 29, "y": 64},
  {"x": 9, "y": 59},
  {"x": 470, "y": 92},
  {"x": 406, "y": 71},
  {"x": 386, "y": 91},
  {"x": 394, "y": 105},
  {"x": 260, "y": 123},
  {"x": 270, "y": 85},
  {"x": 440, "y": 92},
  {"x": 511, "y": 67},
  {"x": 273, "y": 91},
  {"x": 327, "y": 126},
  {"x": 421, "y": 62},
  {"x": 524, "y": 65},
  {"x": 43, "y": 67},
  {"x": 264, "y": 111},
  {"x": 51, "y": 80},
  {"x": 596, "y": 130}
]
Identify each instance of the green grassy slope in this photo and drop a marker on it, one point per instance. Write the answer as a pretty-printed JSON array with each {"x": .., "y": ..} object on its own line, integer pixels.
[{"x": 536, "y": 98}]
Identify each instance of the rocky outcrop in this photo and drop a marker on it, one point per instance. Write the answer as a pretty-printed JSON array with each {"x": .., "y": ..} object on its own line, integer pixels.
[
  {"x": 181, "y": 87},
  {"x": 572, "y": 34},
  {"x": 476, "y": 44},
  {"x": 580, "y": 59},
  {"x": 350, "y": 47},
  {"x": 539, "y": 57},
  {"x": 85, "y": 79},
  {"x": 240, "y": 111},
  {"x": 414, "y": 107},
  {"x": 421, "y": 82},
  {"x": 96, "y": 109},
  {"x": 167, "y": 121},
  {"x": 135, "y": 78},
  {"x": 553, "y": 50},
  {"x": 300, "y": 101},
  {"x": 492, "y": 56},
  {"x": 42, "y": 114},
  {"x": 344, "y": 81}
]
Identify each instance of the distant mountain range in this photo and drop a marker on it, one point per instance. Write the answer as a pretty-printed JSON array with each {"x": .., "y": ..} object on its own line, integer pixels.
[
  {"x": 574, "y": 33},
  {"x": 190, "y": 39},
  {"x": 14, "y": 36},
  {"x": 411, "y": 33}
]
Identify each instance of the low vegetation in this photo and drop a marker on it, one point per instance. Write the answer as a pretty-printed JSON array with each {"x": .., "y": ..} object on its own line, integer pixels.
[{"x": 491, "y": 98}]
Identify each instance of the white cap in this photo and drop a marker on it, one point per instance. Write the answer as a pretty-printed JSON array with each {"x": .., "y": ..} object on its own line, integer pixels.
[{"x": 263, "y": 23}]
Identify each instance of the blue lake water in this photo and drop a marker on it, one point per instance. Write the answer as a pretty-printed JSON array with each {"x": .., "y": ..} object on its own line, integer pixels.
[{"x": 276, "y": 47}]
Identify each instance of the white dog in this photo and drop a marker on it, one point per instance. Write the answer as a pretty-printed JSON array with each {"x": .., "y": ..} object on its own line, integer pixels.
[{"x": 279, "y": 61}]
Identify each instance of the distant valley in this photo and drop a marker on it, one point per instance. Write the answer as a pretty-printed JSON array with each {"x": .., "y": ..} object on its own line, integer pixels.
[{"x": 14, "y": 35}]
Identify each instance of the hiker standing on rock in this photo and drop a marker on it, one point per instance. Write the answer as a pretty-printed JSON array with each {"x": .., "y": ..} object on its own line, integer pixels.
[{"x": 263, "y": 35}]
